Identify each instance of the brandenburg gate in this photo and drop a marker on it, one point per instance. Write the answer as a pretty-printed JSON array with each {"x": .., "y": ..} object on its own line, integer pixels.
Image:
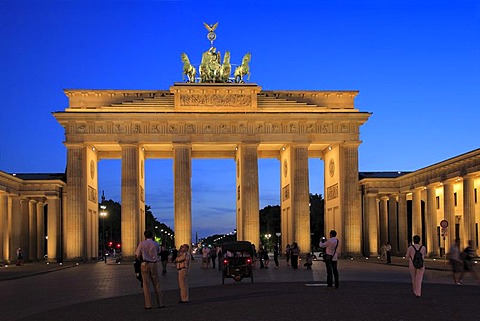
[{"x": 214, "y": 116}]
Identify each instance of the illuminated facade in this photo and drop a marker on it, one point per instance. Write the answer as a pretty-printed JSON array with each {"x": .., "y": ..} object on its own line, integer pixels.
[
  {"x": 227, "y": 120},
  {"x": 398, "y": 205}
]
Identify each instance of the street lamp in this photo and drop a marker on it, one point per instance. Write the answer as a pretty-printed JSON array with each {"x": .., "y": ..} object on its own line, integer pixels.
[
  {"x": 268, "y": 236},
  {"x": 103, "y": 214}
]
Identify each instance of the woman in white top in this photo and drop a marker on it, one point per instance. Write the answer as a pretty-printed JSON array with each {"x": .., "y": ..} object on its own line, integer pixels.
[{"x": 416, "y": 274}]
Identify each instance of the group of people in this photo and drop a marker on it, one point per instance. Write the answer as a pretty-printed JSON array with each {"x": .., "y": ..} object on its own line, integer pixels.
[
  {"x": 148, "y": 252},
  {"x": 210, "y": 255}
]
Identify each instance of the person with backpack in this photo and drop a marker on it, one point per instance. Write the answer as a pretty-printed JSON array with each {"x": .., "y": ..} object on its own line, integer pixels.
[{"x": 416, "y": 264}]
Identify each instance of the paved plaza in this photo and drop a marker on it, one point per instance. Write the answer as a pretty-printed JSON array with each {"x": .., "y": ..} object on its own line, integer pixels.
[{"x": 369, "y": 290}]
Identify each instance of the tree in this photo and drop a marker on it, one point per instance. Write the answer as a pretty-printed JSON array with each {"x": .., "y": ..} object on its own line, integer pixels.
[{"x": 317, "y": 218}]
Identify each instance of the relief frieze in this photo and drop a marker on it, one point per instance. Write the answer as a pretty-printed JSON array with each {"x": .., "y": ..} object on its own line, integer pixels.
[
  {"x": 92, "y": 194},
  {"x": 332, "y": 192},
  {"x": 230, "y": 100}
]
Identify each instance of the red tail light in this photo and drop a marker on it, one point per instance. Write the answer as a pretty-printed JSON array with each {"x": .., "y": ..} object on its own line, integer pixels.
[
  {"x": 249, "y": 261},
  {"x": 225, "y": 262}
]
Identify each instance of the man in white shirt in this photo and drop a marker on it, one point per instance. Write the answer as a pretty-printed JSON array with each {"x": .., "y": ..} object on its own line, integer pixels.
[
  {"x": 148, "y": 251},
  {"x": 331, "y": 254}
]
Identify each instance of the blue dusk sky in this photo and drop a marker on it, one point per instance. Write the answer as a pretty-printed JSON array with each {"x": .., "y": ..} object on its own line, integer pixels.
[{"x": 415, "y": 63}]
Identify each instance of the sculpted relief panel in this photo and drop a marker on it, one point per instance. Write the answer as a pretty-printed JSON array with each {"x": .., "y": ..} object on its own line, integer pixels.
[
  {"x": 225, "y": 100},
  {"x": 211, "y": 127}
]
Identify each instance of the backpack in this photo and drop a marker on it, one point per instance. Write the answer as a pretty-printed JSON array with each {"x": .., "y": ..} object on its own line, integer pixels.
[{"x": 417, "y": 259}]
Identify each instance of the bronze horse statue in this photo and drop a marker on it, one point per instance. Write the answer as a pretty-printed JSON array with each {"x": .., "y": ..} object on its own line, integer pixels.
[
  {"x": 243, "y": 70},
  {"x": 188, "y": 69}
]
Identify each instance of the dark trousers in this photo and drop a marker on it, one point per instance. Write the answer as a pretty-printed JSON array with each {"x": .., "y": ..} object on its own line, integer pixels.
[
  {"x": 275, "y": 259},
  {"x": 389, "y": 257},
  {"x": 332, "y": 271},
  {"x": 294, "y": 259},
  {"x": 214, "y": 258}
]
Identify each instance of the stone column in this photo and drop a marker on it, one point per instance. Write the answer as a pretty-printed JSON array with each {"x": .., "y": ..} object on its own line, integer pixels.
[
  {"x": 32, "y": 230},
  {"x": 301, "y": 197},
  {"x": 249, "y": 199},
  {"x": 15, "y": 216},
  {"x": 182, "y": 194},
  {"x": 416, "y": 213},
  {"x": 76, "y": 202},
  {"x": 53, "y": 229},
  {"x": 449, "y": 211},
  {"x": 469, "y": 208},
  {"x": 40, "y": 230},
  {"x": 392, "y": 223},
  {"x": 371, "y": 218},
  {"x": 402, "y": 224},
  {"x": 350, "y": 198},
  {"x": 431, "y": 222},
  {"x": 131, "y": 199},
  {"x": 383, "y": 219},
  {"x": 4, "y": 231}
]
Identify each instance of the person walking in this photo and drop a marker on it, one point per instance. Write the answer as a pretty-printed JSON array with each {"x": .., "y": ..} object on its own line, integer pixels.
[
  {"x": 455, "y": 261},
  {"x": 287, "y": 253},
  {"x": 147, "y": 251},
  {"x": 19, "y": 256},
  {"x": 468, "y": 264},
  {"x": 416, "y": 272},
  {"x": 213, "y": 256},
  {"x": 183, "y": 266},
  {"x": 330, "y": 258},
  {"x": 164, "y": 253},
  {"x": 275, "y": 255},
  {"x": 388, "y": 249},
  {"x": 294, "y": 253}
]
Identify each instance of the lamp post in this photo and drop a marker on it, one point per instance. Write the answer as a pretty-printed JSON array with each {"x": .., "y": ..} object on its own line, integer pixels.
[
  {"x": 268, "y": 236},
  {"x": 103, "y": 214}
]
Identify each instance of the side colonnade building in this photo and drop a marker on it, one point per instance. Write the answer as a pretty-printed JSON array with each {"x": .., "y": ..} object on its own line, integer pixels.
[{"x": 439, "y": 203}]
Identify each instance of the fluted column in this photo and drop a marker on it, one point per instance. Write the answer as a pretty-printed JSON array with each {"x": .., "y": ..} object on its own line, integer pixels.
[
  {"x": 76, "y": 202},
  {"x": 16, "y": 239},
  {"x": 402, "y": 223},
  {"x": 416, "y": 213},
  {"x": 4, "y": 231},
  {"x": 449, "y": 210},
  {"x": 371, "y": 230},
  {"x": 53, "y": 228},
  {"x": 431, "y": 222},
  {"x": 32, "y": 230},
  {"x": 40, "y": 230},
  {"x": 383, "y": 219},
  {"x": 301, "y": 197},
  {"x": 469, "y": 208},
  {"x": 131, "y": 199},
  {"x": 350, "y": 198},
  {"x": 392, "y": 223},
  {"x": 247, "y": 184},
  {"x": 182, "y": 194}
]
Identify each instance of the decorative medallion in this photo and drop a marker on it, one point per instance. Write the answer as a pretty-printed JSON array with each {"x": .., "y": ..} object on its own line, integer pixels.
[
  {"x": 285, "y": 168},
  {"x": 92, "y": 169},
  {"x": 331, "y": 167}
]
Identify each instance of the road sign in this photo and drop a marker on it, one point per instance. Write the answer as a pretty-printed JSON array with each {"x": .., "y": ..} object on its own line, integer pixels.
[{"x": 444, "y": 223}]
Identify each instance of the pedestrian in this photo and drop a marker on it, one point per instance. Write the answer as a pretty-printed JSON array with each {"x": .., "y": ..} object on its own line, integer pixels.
[
  {"x": 275, "y": 255},
  {"x": 19, "y": 256},
  {"x": 266, "y": 258},
  {"x": 468, "y": 265},
  {"x": 415, "y": 253},
  {"x": 388, "y": 250},
  {"x": 294, "y": 253},
  {"x": 330, "y": 258},
  {"x": 206, "y": 257},
  {"x": 148, "y": 251},
  {"x": 287, "y": 253},
  {"x": 308, "y": 261},
  {"x": 183, "y": 266},
  {"x": 383, "y": 252},
  {"x": 220, "y": 258},
  {"x": 174, "y": 253},
  {"x": 261, "y": 257},
  {"x": 164, "y": 253},
  {"x": 455, "y": 261},
  {"x": 213, "y": 256}
]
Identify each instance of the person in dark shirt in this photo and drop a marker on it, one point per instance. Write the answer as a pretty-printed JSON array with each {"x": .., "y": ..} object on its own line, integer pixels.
[{"x": 164, "y": 253}]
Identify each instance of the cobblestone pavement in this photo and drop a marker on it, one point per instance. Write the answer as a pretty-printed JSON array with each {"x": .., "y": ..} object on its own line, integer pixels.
[{"x": 369, "y": 290}]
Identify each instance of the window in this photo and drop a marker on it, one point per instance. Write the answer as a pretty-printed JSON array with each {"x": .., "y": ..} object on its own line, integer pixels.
[{"x": 455, "y": 199}]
